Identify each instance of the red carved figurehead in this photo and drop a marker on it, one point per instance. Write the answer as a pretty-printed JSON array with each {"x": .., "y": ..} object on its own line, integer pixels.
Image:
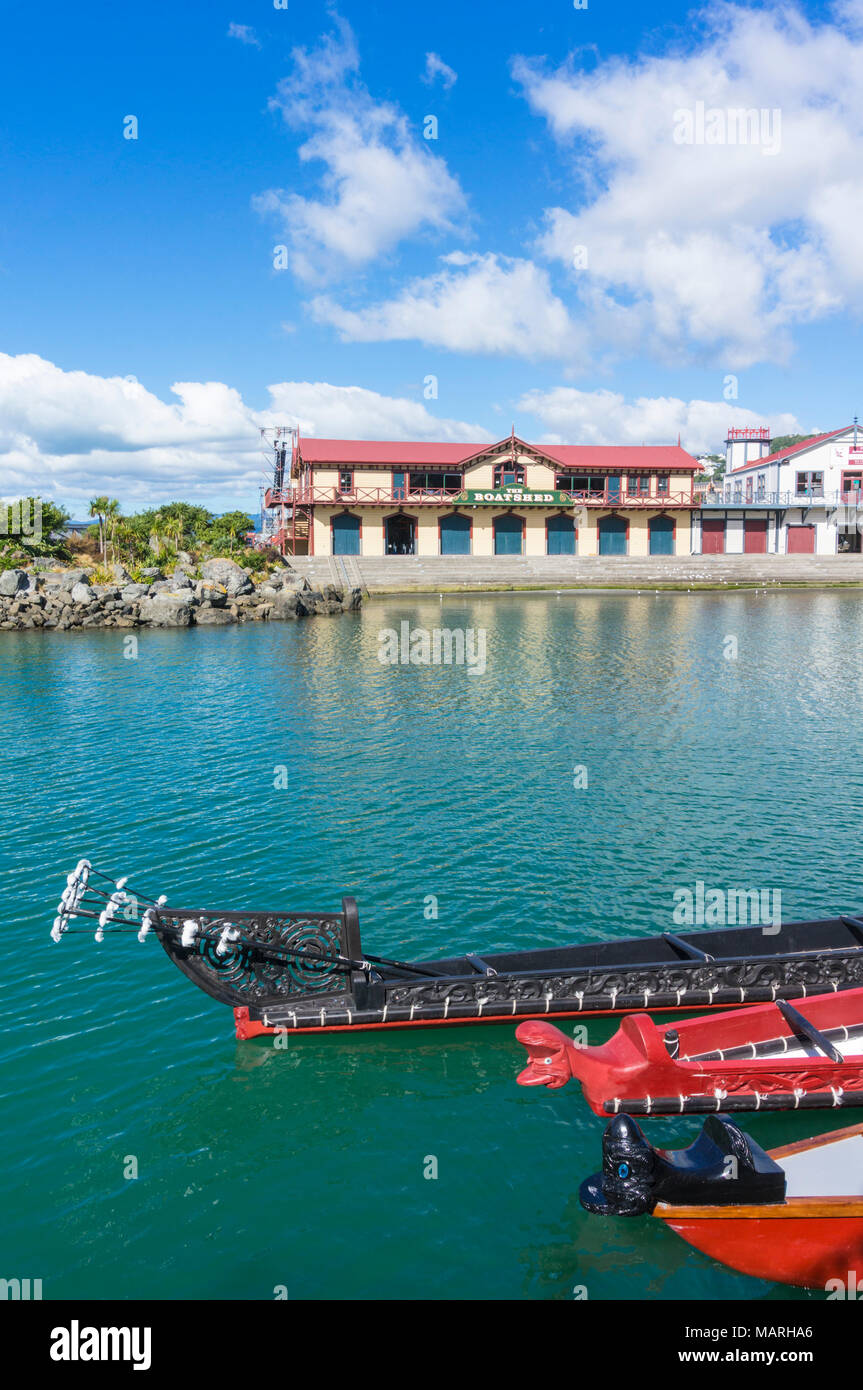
[{"x": 548, "y": 1055}]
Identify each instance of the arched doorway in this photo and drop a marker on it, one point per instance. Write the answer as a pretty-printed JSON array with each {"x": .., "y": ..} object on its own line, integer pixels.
[
  {"x": 455, "y": 532},
  {"x": 560, "y": 535},
  {"x": 661, "y": 535},
  {"x": 508, "y": 534},
  {"x": 346, "y": 534},
  {"x": 613, "y": 535},
  {"x": 400, "y": 535}
]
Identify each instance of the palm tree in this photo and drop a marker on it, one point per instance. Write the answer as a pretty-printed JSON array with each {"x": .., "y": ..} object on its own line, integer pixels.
[
  {"x": 98, "y": 508},
  {"x": 112, "y": 519}
]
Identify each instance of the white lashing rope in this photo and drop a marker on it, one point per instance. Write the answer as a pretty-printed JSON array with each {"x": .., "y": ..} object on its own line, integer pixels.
[
  {"x": 102, "y": 905},
  {"x": 228, "y": 935},
  {"x": 148, "y": 918},
  {"x": 189, "y": 932},
  {"x": 76, "y": 887},
  {"x": 109, "y": 912}
]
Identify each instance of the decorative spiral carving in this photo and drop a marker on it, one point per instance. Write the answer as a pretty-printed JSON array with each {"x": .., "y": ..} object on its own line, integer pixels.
[{"x": 259, "y": 965}]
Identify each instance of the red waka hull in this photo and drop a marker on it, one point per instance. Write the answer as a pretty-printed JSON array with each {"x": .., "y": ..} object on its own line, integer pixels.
[
  {"x": 775, "y": 1243},
  {"x": 748, "y": 1059}
]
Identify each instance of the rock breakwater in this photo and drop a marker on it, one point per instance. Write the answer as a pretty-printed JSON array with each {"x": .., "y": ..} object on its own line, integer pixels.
[{"x": 225, "y": 593}]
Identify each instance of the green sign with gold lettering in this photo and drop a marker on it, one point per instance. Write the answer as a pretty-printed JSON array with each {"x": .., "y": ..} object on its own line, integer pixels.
[{"x": 512, "y": 497}]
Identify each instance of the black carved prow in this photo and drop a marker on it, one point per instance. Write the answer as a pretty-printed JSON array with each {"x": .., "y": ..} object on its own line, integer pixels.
[{"x": 723, "y": 1167}]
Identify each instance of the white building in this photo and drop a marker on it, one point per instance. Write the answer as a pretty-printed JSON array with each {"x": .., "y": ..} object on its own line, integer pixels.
[{"x": 805, "y": 499}]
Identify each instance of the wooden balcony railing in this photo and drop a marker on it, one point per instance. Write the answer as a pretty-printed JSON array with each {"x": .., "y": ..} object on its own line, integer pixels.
[{"x": 436, "y": 497}]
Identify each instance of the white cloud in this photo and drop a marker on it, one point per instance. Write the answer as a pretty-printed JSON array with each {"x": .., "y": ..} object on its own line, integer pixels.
[
  {"x": 717, "y": 250},
  {"x": 475, "y": 303},
  {"x": 353, "y": 412},
  {"x": 245, "y": 33},
  {"x": 381, "y": 182},
  {"x": 71, "y": 435},
  {"x": 606, "y": 417},
  {"x": 437, "y": 68}
]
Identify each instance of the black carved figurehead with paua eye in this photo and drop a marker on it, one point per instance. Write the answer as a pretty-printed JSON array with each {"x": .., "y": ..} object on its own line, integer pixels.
[
  {"x": 723, "y": 1167},
  {"x": 626, "y": 1185}
]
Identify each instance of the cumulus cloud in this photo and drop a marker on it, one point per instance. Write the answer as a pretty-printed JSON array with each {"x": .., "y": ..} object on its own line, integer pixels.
[
  {"x": 380, "y": 184},
  {"x": 475, "y": 303},
  {"x": 606, "y": 417},
  {"x": 353, "y": 412},
  {"x": 71, "y": 435},
  {"x": 436, "y": 69},
  {"x": 711, "y": 249}
]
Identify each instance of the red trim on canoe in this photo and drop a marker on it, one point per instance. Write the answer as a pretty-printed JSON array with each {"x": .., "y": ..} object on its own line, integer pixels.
[
  {"x": 247, "y": 1027},
  {"x": 636, "y": 1066}
]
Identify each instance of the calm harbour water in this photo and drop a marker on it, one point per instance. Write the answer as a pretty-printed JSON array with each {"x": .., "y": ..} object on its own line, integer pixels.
[{"x": 262, "y": 1168}]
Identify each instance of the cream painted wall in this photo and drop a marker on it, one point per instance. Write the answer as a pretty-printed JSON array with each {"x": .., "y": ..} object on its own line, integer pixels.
[
  {"x": 682, "y": 533},
  {"x": 428, "y": 542},
  {"x": 479, "y": 477},
  {"x": 483, "y": 537},
  {"x": 587, "y": 541},
  {"x": 538, "y": 475},
  {"x": 325, "y": 477},
  {"x": 321, "y": 532},
  {"x": 638, "y": 534},
  {"x": 681, "y": 482},
  {"x": 372, "y": 541},
  {"x": 534, "y": 531}
]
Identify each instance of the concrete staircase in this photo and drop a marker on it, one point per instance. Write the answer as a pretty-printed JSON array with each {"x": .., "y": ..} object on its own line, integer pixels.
[{"x": 439, "y": 573}]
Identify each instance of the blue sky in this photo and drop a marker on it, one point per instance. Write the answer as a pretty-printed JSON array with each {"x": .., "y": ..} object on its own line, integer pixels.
[{"x": 153, "y": 258}]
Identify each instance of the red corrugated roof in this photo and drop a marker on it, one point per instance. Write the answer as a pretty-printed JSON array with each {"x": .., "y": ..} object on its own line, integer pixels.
[
  {"x": 583, "y": 457},
  {"x": 578, "y": 457},
  {"x": 790, "y": 450},
  {"x": 386, "y": 451}
]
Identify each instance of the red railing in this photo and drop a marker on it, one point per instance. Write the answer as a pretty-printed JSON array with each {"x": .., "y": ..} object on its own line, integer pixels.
[{"x": 435, "y": 497}]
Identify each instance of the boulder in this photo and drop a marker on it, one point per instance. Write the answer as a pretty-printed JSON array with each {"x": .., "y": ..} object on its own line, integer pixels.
[
  {"x": 152, "y": 573},
  {"x": 213, "y": 594},
  {"x": 11, "y": 581},
  {"x": 209, "y": 617},
  {"x": 82, "y": 593},
  {"x": 69, "y": 578},
  {"x": 233, "y": 579},
  {"x": 165, "y": 610},
  {"x": 286, "y": 606},
  {"x": 132, "y": 592},
  {"x": 121, "y": 574}
]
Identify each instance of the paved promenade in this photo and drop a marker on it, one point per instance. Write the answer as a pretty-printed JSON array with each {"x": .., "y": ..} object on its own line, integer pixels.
[{"x": 398, "y": 574}]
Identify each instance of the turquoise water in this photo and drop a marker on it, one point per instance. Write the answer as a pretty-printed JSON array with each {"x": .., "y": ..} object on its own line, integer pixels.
[{"x": 305, "y": 1169}]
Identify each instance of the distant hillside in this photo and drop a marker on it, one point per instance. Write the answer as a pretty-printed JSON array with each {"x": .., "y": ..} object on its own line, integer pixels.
[{"x": 784, "y": 441}]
